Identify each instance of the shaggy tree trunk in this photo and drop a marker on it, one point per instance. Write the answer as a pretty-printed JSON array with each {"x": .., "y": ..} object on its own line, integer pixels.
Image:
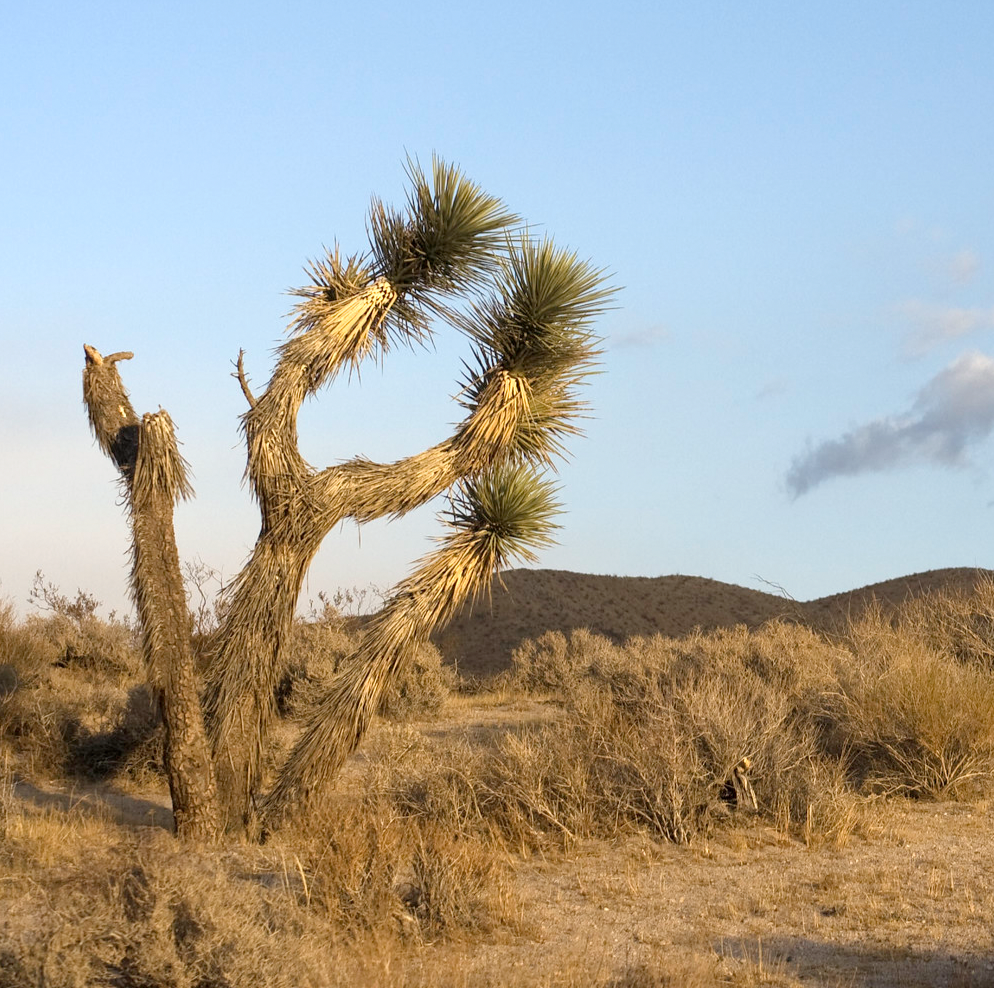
[
  {"x": 477, "y": 545},
  {"x": 521, "y": 402},
  {"x": 153, "y": 474},
  {"x": 299, "y": 506}
]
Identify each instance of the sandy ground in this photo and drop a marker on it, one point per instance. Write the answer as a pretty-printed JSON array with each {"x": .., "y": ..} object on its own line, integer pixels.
[
  {"x": 910, "y": 903},
  {"x": 912, "y": 906}
]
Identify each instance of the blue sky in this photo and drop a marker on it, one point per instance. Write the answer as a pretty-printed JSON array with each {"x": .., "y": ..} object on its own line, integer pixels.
[{"x": 798, "y": 380}]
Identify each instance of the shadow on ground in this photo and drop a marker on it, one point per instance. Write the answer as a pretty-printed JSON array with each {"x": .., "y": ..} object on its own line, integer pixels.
[
  {"x": 99, "y": 803},
  {"x": 871, "y": 965}
]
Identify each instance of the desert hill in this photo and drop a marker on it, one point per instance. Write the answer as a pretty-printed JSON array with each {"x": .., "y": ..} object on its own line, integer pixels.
[
  {"x": 828, "y": 611},
  {"x": 479, "y": 641}
]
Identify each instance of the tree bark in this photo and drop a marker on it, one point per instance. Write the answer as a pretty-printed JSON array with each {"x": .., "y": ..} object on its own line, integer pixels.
[{"x": 154, "y": 476}]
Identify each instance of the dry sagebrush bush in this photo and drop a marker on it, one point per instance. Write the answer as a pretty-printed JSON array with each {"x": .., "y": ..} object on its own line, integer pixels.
[
  {"x": 129, "y": 745},
  {"x": 903, "y": 703},
  {"x": 72, "y": 699},
  {"x": 145, "y": 912},
  {"x": 914, "y": 717},
  {"x": 653, "y": 730},
  {"x": 647, "y": 740},
  {"x": 89, "y": 644},
  {"x": 422, "y": 687},
  {"x": 959, "y": 623},
  {"x": 320, "y": 648}
]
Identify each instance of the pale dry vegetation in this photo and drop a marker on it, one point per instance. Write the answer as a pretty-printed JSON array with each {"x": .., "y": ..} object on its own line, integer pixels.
[{"x": 425, "y": 863}]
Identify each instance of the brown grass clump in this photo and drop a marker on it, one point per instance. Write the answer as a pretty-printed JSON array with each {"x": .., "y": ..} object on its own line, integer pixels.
[
  {"x": 72, "y": 699},
  {"x": 136, "y": 908},
  {"x": 143, "y": 911},
  {"x": 322, "y": 646},
  {"x": 915, "y": 708}
]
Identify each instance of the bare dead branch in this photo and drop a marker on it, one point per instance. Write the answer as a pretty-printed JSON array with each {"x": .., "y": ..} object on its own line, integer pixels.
[
  {"x": 243, "y": 380},
  {"x": 94, "y": 356}
]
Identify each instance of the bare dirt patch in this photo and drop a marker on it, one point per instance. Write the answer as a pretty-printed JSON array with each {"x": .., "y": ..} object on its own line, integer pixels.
[{"x": 911, "y": 903}]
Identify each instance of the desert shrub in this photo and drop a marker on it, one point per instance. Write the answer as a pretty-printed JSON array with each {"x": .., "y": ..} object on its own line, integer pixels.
[
  {"x": 347, "y": 860},
  {"x": 903, "y": 703},
  {"x": 458, "y": 885},
  {"x": 369, "y": 870},
  {"x": 319, "y": 648},
  {"x": 958, "y": 623},
  {"x": 142, "y": 913},
  {"x": 131, "y": 746},
  {"x": 657, "y": 730},
  {"x": 57, "y": 726},
  {"x": 315, "y": 650},
  {"x": 92, "y": 645},
  {"x": 72, "y": 635},
  {"x": 913, "y": 715},
  {"x": 22, "y": 650},
  {"x": 67, "y": 691},
  {"x": 649, "y": 736},
  {"x": 422, "y": 687},
  {"x": 89, "y": 645},
  {"x": 552, "y": 662},
  {"x": 137, "y": 909}
]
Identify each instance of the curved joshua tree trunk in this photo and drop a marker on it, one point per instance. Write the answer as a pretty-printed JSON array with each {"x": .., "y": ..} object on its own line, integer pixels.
[
  {"x": 533, "y": 349},
  {"x": 451, "y": 232}
]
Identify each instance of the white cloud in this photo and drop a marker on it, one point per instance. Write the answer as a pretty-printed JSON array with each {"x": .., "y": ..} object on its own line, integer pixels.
[
  {"x": 934, "y": 325},
  {"x": 647, "y": 337},
  {"x": 776, "y": 386},
  {"x": 953, "y": 411},
  {"x": 962, "y": 267}
]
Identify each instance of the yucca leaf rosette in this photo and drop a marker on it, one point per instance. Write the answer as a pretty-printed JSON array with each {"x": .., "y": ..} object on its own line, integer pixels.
[
  {"x": 445, "y": 241},
  {"x": 533, "y": 348}
]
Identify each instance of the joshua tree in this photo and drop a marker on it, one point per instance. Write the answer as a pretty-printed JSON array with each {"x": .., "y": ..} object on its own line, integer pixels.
[
  {"x": 154, "y": 477},
  {"x": 527, "y": 307}
]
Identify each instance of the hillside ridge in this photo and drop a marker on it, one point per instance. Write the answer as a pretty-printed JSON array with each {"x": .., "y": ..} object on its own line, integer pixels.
[{"x": 525, "y": 603}]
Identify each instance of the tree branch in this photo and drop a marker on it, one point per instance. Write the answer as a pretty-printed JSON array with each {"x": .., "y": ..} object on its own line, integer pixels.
[
  {"x": 365, "y": 490},
  {"x": 112, "y": 416},
  {"x": 242, "y": 380}
]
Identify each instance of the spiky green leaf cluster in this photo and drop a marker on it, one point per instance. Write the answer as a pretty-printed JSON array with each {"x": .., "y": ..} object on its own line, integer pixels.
[
  {"x": 535, "y": 325},
  {"x": 447, "y": 240},
  {"x": 448, "y": 237},
  {"x": 508, "y": 507}
]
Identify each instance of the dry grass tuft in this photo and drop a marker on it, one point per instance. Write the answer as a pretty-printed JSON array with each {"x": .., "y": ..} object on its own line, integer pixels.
[{"x": 915, "y": 709}]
